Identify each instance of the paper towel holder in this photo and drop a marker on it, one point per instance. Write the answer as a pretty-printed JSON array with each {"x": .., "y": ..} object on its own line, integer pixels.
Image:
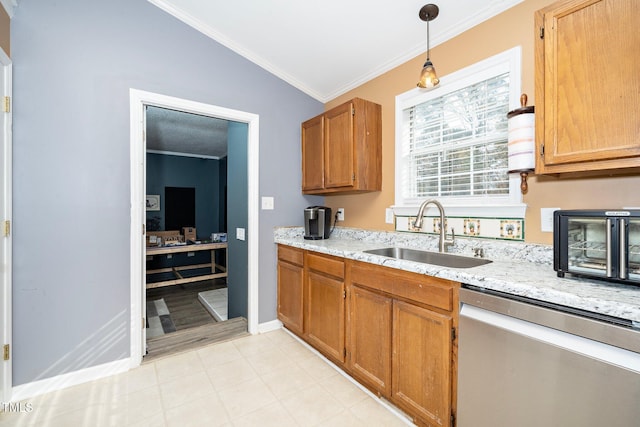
[{"x": 521, "y": 141}]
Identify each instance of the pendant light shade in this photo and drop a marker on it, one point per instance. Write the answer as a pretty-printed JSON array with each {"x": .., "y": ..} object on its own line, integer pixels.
[{"x": 428, "y": 76}]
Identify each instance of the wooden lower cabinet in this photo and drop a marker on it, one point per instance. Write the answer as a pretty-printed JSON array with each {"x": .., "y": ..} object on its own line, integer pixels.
[
  {"x": 401, "y": 340},
  {"x": 369, "y": 352},
  {"x": 394, "y": 332},
  {"x": 325, "y": 316},
  {"x": 291, "y": 288},
  {"x": 422, "y": 349}
]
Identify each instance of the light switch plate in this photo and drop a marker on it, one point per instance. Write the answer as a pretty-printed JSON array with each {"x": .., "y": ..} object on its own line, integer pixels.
[
  {"x": 267, "y": 203},
  {"x": 388, "y": 216},
  {"x": 240, "y": 233},
  {"x": 546, "y": 219}
]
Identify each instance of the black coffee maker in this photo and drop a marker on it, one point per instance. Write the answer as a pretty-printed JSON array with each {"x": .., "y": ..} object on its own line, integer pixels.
[{"x": 317, "y": 222}]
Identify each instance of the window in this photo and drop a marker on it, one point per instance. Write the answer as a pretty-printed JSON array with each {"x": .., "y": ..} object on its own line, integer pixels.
[{"x": 451, "y": 142}]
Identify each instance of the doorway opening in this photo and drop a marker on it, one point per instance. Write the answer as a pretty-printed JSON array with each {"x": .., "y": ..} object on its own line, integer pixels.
[{"x": 140, "y": 202}]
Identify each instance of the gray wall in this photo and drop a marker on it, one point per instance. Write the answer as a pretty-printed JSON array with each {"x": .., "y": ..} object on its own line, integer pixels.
[
  {"x": 73, "y": 64},
  {"x": 237, "y": 214}
]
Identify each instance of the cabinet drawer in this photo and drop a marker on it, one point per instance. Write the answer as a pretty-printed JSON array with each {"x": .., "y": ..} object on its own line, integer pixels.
[
  {"x": 326, "y": 264},
  {"x": 289, "y": 254},
  {"x": 412, "y": 286}
]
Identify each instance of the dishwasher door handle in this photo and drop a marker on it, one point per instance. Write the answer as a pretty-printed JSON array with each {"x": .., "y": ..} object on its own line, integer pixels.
[{"x": 573, "y": 343}]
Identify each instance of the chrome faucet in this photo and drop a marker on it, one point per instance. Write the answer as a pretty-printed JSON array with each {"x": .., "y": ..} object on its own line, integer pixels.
[{"x": 443, "y": 242}]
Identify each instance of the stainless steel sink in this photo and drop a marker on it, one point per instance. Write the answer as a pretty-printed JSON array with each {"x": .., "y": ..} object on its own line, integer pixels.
[{"x": 436, "y": 258}]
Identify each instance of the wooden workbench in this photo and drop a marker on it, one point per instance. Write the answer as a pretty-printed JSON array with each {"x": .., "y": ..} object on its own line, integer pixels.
[{"x": 217, "y": 270}]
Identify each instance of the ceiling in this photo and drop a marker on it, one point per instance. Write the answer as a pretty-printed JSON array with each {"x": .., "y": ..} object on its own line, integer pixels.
[
  {"x": 322, "y": 48},
  {"x": 177, "y": 132},
  {"x": 330, "y": 47}
]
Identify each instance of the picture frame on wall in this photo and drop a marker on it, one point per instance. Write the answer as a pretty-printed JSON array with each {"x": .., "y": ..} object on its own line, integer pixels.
[{"x": 153, "y": 202}]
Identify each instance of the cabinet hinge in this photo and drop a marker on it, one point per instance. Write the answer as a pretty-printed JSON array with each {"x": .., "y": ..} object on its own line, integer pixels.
[
  {"x": 6, "y": 229},
  {"x": 6, "y": 105},
  {"x": 353, "y": 111},
  {"x": 541, "y": 150},
  {"x": 144, "y": 229},
  {"x": 345, "y": 352},
  {"x": 344, "y": 294},
  {"x": 453, "y": 420},
  {"x": 542, "y": 32},
  {"x": 453, "y": 334},
  {"x": 353, "y": 177},
  {"x": 6, "y": 352},
  {"x": 144, "y": 323}
]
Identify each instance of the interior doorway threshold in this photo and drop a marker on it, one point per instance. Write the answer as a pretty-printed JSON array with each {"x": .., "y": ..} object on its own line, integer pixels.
[{"x": 200, "y": 336}]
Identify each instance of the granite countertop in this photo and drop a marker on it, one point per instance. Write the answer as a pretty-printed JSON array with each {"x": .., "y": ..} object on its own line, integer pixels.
[{"x": 516, "y": 268}]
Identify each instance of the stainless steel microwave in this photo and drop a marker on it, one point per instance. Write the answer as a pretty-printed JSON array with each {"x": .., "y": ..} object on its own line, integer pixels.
[{"x": 597, "y": 243}]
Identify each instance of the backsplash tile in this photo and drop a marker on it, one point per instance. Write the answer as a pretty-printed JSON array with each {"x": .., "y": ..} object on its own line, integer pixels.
[{"x": 492, "y": 228}]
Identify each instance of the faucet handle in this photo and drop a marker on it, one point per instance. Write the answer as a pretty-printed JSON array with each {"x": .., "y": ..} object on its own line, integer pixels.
[{"x": 451, "y": 242}]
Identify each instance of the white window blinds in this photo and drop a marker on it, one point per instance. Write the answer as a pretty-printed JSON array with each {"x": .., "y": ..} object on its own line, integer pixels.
[{"x": 456, "y": 144}]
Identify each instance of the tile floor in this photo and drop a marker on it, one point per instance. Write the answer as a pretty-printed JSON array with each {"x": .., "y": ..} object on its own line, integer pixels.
[{"x": 262, "y": 380}]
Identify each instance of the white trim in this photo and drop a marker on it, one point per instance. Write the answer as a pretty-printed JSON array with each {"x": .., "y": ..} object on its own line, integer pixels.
[
  {"x": 7, "y": 242},
  {"x": 59, "y": 382},
  {"x": 9, "y": 6},
  {"x": 175, "y": 153},
  {"x": 504, "y": 206},
  {"x": 138, "y": 99},
  {"x": 269, "y": 326},
  {"x": 475, "y": 211}
]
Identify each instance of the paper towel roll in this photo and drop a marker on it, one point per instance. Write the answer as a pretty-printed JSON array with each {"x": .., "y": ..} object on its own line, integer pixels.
[{"x": 521, "y": 142}]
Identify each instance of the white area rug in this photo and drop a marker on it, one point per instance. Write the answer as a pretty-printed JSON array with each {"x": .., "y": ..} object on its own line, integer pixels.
[{"x": 215, "y": 301}]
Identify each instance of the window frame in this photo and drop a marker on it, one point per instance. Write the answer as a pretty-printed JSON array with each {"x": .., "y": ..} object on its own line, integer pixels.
[{"x": 508, "y": 206}]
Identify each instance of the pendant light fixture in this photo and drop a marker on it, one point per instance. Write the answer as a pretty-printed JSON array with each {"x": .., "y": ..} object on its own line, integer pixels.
[{"x": 428, "y": 77}]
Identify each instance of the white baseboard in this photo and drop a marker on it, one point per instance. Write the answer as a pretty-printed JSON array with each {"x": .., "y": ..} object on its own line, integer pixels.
[
  {"x": 36, "y": 388},
  {"x": 269, "y": 326},
  {"x": 47, "y": 385}
]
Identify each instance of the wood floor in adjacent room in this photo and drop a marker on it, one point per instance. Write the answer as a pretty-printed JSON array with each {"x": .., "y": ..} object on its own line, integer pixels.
[{"x": 195, "y": 326}]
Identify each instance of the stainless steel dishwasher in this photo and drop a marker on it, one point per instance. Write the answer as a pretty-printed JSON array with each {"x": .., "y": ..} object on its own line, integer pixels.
[{"x": 524, "y": 362}]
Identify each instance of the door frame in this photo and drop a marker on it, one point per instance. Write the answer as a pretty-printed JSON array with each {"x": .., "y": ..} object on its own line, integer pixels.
[
  {"x": 138, "y": 99},
  {"x": 6, "y": 380}
]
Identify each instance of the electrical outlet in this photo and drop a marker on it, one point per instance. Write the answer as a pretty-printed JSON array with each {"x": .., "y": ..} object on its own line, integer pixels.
[
  {"x": 546, "y": 219},
  {"x": 340, "y": 214}
]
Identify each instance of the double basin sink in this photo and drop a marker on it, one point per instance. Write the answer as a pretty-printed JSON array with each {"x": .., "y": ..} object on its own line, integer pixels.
[{"x": 435, "y": 258}]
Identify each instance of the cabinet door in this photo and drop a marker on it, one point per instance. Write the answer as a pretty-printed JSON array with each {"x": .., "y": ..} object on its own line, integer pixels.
[
  {"x": 338, "y": 147},
  {"x": 588, "y": 85},
  {"x": 290, "y": 296},
  {"x": 325, "y": 314},
  {"x": 370, "y": 338},
  {"x": 313, "y": 154},
  {"x": 421, "y": 364}
]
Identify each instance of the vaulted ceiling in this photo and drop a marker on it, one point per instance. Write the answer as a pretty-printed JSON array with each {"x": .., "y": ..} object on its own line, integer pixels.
[{"x": 323, "y": 48}]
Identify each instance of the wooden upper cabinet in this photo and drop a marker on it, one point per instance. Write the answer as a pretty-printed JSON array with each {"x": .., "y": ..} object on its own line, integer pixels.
[
  {"x": 342, "y": 149},
  {"x": 587, "y": 86},
  {"x": 313, "y": 154}
]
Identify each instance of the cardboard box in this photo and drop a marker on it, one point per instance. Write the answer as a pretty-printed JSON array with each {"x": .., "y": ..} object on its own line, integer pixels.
[
  {"x": 189, "y": 233},
  {"x": 159, "y": 238}
]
